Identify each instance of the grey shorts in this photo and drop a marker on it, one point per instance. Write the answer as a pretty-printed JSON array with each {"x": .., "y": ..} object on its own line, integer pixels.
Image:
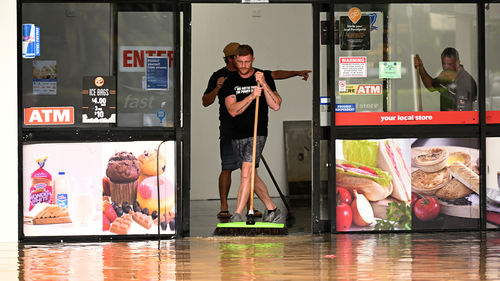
[
  {"x": 243, "y": 150},
  {"x": 228, "y": 160}
]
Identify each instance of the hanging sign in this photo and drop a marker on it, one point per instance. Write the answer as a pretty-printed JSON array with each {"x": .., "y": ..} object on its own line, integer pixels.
[{"x": 99, "y": 99}]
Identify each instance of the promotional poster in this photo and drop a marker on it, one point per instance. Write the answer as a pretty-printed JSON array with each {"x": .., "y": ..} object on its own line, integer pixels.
[
  {"x": 99, "y": 188},
  {"x": 407, "y": 184}
]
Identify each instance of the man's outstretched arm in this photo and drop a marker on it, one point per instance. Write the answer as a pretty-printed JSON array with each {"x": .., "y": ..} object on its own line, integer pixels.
[{"x": 285, "y": 74}]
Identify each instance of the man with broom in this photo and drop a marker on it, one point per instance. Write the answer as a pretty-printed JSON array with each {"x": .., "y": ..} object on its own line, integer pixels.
[
  {"x": 240, "y": 93},
  {"x": 457, "y": 88},
  {"x": 228, "y": 159}
]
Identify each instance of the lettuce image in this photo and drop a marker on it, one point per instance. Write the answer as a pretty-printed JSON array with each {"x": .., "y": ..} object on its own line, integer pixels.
[
  {"x": 384, "y": 180},
  {"x": 363, "y": 152}
]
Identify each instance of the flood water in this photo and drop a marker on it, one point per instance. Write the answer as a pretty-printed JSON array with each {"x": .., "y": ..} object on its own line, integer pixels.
[{"x": 417, "y": 256}]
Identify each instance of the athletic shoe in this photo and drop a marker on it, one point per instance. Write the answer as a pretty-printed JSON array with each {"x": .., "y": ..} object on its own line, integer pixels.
[
  {"x": 273, "y": 217},
  {"x": 235, "y": 218}
]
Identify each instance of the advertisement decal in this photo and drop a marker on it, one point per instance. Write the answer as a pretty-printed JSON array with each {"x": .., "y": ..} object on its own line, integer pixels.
[
  {"x": 407, "y": 184},
  {"x": 101, "y": 189}
]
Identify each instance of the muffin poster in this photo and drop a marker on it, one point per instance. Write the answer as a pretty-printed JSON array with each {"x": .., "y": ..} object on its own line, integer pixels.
[
  {"x": 403, "y": 184},
  {"x": 99, "y": 188}
]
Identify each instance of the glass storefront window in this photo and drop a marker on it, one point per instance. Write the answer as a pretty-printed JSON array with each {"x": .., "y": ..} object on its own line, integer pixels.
[
  {"x": 377, "y": 82},
  {"x": 492, "y": 38},
  {"x": 98, "y": 65}
]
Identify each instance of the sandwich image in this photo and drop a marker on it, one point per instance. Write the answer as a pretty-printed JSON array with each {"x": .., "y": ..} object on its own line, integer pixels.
[
  {"x": 372, "y": 182},
  {"x": 390, "y": 159},
  {"x": 385, "y": 155}
]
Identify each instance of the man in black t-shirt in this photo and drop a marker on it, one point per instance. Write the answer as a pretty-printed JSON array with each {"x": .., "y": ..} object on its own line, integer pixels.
[
  {"x": 457, "y": 88},
  {"x": 240, "y": 92},
  {"x": 228, "y": 159}
]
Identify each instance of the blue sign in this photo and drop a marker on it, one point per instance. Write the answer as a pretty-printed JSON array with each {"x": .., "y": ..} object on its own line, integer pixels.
[
  {"x": 157, "y": 73},
  {"x": 161, "y": 114},
  {"x": 345, "y": 107}
]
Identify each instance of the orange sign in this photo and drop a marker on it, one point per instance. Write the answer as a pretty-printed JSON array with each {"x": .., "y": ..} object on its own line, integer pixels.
[
  {"x": 354, "y": 14},
  {"x": 49, "y": 116}
]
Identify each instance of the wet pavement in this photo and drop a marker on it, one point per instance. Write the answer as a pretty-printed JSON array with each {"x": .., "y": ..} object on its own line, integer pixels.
[
  {"x": 298, "y": 256},
  {"x": 420, "y": 256}
]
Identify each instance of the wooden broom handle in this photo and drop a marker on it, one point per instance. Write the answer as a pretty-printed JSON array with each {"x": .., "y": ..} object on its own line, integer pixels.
[
  {"x": 420, "y": 106},
  {"x": 254, "y": 149}
]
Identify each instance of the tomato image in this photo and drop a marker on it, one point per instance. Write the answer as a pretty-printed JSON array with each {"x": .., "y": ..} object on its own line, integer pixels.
[
  {"x": 344, "y": 214},
  {"x": 427, "y": 208},
  {"x": 344, "y": 217},
  {"x": 344, "y": 195},
  {"x": 414, "y": 199},
  {"x": 369, "y": 170}
]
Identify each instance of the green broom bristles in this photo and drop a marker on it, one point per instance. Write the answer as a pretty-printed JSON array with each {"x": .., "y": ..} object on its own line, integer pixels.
[{"x": 244, "y": 229}]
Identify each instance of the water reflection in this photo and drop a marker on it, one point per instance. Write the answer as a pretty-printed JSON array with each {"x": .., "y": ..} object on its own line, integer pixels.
[{"x": 457, "y": 256}]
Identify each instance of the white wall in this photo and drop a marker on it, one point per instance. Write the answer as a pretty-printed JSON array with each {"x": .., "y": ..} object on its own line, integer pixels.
[
  {"x": 9, "y": 163},
  {"x": 281, "y": 39}
]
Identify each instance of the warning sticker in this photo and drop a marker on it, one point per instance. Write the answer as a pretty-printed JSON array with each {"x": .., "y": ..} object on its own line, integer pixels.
[
  {"x": 362, "y": 90},
  {"x": 352, "y": 67}
]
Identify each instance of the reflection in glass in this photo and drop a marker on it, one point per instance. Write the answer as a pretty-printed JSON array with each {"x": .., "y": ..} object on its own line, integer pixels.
[{"x": 399, "y": 33}]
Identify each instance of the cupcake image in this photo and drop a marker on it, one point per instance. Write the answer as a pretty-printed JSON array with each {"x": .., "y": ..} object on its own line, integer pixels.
[
  {"x": 123, "y": 171},
  {"x": 152, "y": 163}
]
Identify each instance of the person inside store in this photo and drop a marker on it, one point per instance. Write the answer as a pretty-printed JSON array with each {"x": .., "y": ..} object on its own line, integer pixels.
[
  {"x": 240, "y": 92},
  {"x": 457, "y": 88},
  {"x": 228, "y": 159}
]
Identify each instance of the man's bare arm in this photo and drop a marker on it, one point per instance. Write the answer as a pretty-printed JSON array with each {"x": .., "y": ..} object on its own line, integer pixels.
[
  {"x": 209, "y": 98},
  {"x": 235, "y": 107},
  {"x": 285, "y": 74},
  {"x": 273, "y": 99},
  {"x": 426, "y": 78}
]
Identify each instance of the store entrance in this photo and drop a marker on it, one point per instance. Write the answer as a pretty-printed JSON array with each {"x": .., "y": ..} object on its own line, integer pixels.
[{"x": 280, "y": 42}]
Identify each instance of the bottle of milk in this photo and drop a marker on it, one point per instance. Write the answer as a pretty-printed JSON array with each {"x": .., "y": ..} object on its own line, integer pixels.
[{"x": 61, "y": 190}]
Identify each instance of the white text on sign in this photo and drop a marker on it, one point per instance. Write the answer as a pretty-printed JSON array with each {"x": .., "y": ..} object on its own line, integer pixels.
[
  {"x": 49, "y": 116},
  {"x": 362, "y": 90}
]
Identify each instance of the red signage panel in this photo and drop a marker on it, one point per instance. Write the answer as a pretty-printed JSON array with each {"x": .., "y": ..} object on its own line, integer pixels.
[{"x": 407, "y": 118}]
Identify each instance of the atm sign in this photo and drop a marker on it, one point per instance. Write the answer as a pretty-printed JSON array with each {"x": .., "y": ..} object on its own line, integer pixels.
[
  {"x": 362, "y": 90},
  {"x": 49, "y": 116}
]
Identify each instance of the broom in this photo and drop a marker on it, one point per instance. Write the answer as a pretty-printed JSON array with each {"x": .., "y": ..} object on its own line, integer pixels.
[{"x": 251, "y": 228}]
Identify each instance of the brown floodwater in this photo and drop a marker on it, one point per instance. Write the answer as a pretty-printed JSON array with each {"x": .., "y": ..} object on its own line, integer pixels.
[{"x": 420, "y": 256}]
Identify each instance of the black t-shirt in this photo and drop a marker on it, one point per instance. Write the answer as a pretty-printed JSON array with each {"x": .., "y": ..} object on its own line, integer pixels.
[
  {"x": 458, "y": 94},
  {"x": 243, "y": 124},
  {"x": 225, "y": 127},
  {"x": 224, "y": 117}
]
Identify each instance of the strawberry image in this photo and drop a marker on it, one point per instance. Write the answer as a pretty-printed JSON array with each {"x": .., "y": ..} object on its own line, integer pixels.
[
  {"x": 145, "y": 191},
  {"x": 105, "y": 223},
  {"x": 105, "y": 186},
  {"x": 108, "y": 211}
]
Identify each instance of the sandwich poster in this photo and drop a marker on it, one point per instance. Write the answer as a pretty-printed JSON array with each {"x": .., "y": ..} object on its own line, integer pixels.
[
  {"x": 405, "y": 184},
  {"x": 102, "y": 189}
]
